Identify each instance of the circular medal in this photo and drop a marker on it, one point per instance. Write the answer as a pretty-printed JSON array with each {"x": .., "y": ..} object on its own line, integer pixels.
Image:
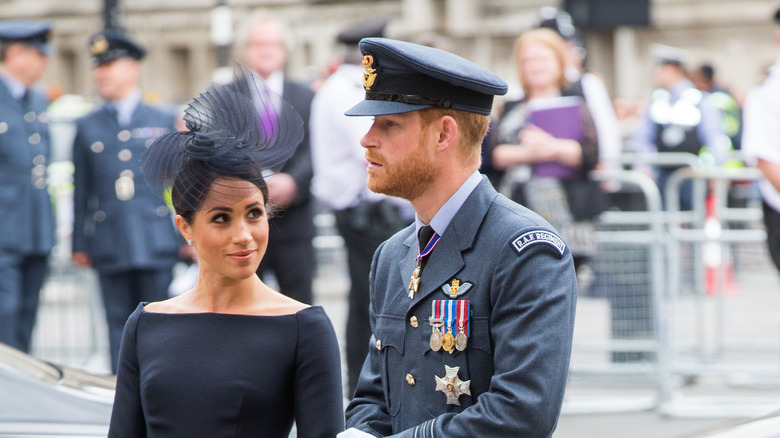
[
  {"x": 448, "y": 341},
  {"x": 436, "y": 338},
  {"x": 460, "y": 341}
]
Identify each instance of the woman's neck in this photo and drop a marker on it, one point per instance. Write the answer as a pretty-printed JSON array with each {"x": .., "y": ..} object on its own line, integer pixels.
[
  {"x": 545, "y": 92},
  {"x": 224, "y": 295}
]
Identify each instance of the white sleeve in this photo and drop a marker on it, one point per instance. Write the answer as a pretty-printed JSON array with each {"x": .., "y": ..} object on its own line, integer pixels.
[
  {"x": 761, "y": 119},
  {"x": 607, "y": 127}
]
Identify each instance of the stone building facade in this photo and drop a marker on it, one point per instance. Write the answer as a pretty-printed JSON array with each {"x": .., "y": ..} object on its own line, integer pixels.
[{"x": 734, "y": 35}]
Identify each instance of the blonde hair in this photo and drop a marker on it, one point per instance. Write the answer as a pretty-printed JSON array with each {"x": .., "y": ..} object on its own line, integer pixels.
[
  {"x": 472, "y": 128},
  {"x": 548, "y": 38}
]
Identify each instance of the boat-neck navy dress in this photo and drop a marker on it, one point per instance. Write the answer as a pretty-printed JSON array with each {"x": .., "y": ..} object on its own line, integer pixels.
[{"x": 220, "y": 375}]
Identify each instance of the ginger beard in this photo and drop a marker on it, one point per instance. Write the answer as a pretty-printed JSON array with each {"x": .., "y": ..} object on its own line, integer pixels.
[{"x": 409, "y": 177}]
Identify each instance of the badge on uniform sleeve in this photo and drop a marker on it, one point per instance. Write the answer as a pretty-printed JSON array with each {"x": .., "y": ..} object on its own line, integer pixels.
[
  {"x": 452, "y": 386},
  {"x": 539, "y": 237}
]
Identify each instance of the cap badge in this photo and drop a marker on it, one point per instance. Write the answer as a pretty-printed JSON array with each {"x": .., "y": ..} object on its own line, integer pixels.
[
  {"x": 99, "y": 46},
  {"x": 369, "y": 73}
]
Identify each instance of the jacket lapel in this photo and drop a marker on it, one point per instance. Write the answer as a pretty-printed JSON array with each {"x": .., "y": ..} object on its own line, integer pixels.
[{"x": 446, "y": 260}]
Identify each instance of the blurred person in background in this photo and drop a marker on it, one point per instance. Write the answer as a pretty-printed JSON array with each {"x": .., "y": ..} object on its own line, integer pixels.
[
  {"x": 585, "y": 84},
  {"x": 120, "y": 227},
  {"x": 26, "y": 219},
  {"x": 731, "y": 115},
  {"x": 292, "y": 229},
  {"x": 364, "y": 219},
  {"x": 761, "y": 145},
  {"x": 564, "y": 196},
  {"x": 679, "y": 118}
]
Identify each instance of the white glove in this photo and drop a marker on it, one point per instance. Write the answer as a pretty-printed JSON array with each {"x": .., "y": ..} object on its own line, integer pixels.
[{"x": 354, "y": 433}]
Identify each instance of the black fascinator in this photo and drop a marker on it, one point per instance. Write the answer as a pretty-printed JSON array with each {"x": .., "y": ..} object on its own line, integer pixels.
[{"x": 240, "y": 130}]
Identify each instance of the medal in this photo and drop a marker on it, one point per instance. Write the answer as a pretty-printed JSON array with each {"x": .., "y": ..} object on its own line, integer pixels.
[
  {"x": 452, "y": 386},
  {"x": 435, "y": 321},
  {"x": 463, "y": 310},
  {"x": 414, "y": 283},
  {"x": 448, "y": 342},
  {"x": 436, "y": 339}
]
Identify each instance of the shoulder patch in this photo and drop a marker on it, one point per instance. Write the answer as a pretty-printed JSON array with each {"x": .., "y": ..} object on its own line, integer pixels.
[{"x": 536, "y": 237}]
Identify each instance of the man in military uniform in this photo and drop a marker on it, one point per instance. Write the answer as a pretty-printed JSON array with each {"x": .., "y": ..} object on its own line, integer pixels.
[
  {"x": 120, "y": 227},
  {"x": 26, "y": 220},
  {"x": 472, "y": 307}
]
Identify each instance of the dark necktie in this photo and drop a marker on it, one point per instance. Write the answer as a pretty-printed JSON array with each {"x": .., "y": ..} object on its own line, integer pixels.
[{"x": 424, "y": 237}]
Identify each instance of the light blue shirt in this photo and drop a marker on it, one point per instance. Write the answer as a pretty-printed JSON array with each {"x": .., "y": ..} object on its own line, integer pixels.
[
  {"x": 126, "y": 107},
  {"x": 441, "y": 220},
  {"x": 16, "y": 88}
]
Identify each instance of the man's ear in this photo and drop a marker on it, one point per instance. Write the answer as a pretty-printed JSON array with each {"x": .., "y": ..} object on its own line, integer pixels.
[{"x": 447, "y": 133}]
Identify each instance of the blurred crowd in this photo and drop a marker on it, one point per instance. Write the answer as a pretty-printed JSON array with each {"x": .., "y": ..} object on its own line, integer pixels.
[{"x": 558, "y": 124}]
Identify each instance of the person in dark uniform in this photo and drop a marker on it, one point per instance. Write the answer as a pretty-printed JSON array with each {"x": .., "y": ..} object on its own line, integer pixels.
[
  {"x": 292, "y": 227},
  {"x": 120, "y": 228},
  {"x": 26, "y": 218},
  {"x": 472, "y": 306}
]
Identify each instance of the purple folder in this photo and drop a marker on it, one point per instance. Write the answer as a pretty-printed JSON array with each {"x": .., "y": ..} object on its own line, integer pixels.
[{"x": 560, "y": 117}]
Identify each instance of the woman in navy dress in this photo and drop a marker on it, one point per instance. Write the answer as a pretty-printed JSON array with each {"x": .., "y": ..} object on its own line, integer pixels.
[{"x": 231, "y": 357}]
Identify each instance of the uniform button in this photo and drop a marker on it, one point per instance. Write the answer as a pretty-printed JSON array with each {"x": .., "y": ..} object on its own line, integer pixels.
[
  {"x": 378, "y": 344},
  {"x": 35, "y": 138},
  {"x": 39, "y": 170},
  {"x": 125, "y": 155},
  {"x": 162, "y": 211},
  {"x": 3, "y": 127},
  {"x": 97, "y": 147},
  {"x": 410, "y": 380},
  {"x": 413, "y": 322},
  {"x": 40, "y": 183},
  {"x": 39, "y": 159},
  {"x": 123, "y": 135},
  {"x": 30, "y": 117},
  {"x": 99, "y": 216}
]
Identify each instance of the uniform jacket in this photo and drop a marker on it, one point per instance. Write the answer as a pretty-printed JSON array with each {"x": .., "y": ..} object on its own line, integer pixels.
[
  {"x": 117, "y": 218},
  {"x": 26, "y": 218},
  {"x": 522, "y": 301},
  {"x": 295, "y": 222}
]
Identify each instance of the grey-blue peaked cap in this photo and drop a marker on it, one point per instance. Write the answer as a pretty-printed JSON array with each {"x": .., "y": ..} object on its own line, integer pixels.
[{"x": 401, "y": 77}]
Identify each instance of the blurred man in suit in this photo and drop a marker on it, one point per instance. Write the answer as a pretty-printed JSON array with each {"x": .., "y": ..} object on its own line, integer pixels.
[
  {"x": 26, "y": 218},
  {"x": 120, "y": 227},
  {"x": 290, "y": 254}
]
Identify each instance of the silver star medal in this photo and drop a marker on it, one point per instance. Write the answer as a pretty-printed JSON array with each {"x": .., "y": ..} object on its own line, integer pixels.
[{"x": 452, "y": 386}]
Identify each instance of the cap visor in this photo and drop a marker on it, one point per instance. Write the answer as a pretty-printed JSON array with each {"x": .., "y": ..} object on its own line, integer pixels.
[
  {"x": 45, "y": 49},
  {"x": 382, "y": 108}
]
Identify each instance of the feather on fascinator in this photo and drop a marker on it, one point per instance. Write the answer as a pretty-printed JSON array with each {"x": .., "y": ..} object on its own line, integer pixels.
[{"x": 240, "y": 130}]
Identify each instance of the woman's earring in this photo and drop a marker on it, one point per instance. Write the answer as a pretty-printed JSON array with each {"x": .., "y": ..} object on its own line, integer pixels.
[{"x": 189, "y": 241}]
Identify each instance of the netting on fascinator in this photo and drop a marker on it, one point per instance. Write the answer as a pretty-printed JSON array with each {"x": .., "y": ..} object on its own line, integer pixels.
[{"x": 235, "y": 131}]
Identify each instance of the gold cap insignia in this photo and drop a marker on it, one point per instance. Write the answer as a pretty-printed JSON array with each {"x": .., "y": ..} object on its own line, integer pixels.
[
  {"x": 99, "y": 46},
  {"x": 369, "y": 73}
]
